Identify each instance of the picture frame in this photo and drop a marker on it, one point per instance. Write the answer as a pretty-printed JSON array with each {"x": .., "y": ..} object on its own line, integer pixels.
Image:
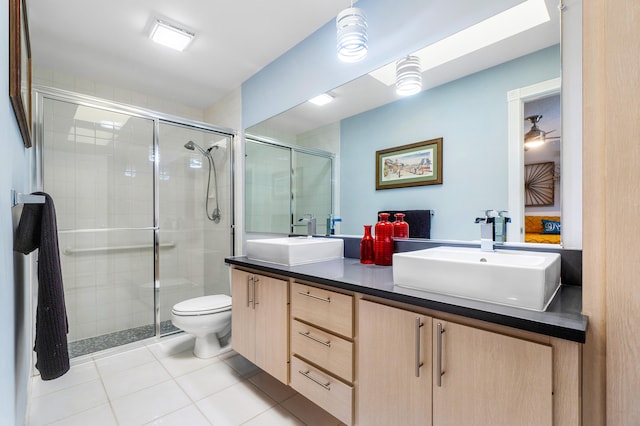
[
  {"x": 416, "y": 164},
  {"x": 539, "y": 184},
  {"x": 20, "y": 67}
]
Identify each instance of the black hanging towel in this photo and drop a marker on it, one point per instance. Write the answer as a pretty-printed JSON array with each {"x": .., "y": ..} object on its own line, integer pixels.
[{"x": 38, "y": 229}]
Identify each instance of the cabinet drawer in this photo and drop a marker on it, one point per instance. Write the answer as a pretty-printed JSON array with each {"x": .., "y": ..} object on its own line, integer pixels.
[
  {"x": 324, "y": 349},
  {"x": 327, "y": 392},
  {"x": 327, "y": 309}
]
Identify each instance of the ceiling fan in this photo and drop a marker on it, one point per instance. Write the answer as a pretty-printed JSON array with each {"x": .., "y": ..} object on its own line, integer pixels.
[{"x": 536, "y": 136}]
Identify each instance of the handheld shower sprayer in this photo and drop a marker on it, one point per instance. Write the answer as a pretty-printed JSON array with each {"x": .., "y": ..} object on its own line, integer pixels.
[{"x": 215, "y": 215}]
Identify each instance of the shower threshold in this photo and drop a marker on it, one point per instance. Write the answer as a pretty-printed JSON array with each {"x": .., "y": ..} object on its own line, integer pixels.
[{"x": 118, "y": 338}]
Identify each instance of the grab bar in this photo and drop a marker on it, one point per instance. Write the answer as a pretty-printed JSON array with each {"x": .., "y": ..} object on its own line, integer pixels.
[{"x": 69, "y": 251}]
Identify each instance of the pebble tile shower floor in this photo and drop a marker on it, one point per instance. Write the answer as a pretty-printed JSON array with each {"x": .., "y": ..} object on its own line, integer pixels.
[
  {"x": 160, "y": 381},
  {"x": 119, "y": 338}
]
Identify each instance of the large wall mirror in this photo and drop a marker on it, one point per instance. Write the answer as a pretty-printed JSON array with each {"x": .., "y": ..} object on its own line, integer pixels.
[{"x": 478, "y": 103}]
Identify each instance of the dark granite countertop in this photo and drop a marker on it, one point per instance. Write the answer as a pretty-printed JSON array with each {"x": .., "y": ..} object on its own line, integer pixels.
[{"x": 562, "y": 319}]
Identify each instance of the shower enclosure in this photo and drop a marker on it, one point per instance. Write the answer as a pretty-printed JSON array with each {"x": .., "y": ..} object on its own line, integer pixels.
[{"x": 134, "y": 234}]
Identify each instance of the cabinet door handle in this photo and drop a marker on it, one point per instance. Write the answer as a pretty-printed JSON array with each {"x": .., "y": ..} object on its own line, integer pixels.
[
  {"x": 256, "y": 280},
  {"x": 439, "y": 372},
  {"x": 308, "y": 294},
  {"x": 249, "y": 288},
  {"x": 308, "y": 335},
  {"x": 308, "y": 375},
  {"x": 419, "y": 364}
]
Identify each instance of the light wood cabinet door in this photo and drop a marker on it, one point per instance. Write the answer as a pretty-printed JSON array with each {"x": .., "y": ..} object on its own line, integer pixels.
[
  {"x": 243, "y": 330},
  {"x": 272, "y": 326},
  {"x": 489, "y": 379},
  {"x": 393, "y": 366},
  {"x": 260, "y": 321}
]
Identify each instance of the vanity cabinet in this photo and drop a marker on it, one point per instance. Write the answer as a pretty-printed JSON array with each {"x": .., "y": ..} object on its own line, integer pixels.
[
  {"x": 482, "y": 377},
  {"x": 260, "y": 321},
  {"x": 394, "y": 366},
  {"x": 413, "y": 369},
  {"x": 322, "y": 348}
]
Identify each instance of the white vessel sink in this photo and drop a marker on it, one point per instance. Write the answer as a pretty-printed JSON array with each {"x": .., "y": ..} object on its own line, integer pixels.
[
  {"x": 295, "y": 250},
  {"x": 516, "y": 278}
]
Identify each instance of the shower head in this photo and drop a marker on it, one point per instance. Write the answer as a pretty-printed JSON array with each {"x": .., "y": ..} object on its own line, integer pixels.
[{"x": 191, "y": 145}]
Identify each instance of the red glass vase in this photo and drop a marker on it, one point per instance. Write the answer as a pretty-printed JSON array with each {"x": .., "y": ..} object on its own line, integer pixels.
[
  {"x": 400, "y": 227},
  {"x": 366, "y": 246},
  {"x": 383, "y": 242}
]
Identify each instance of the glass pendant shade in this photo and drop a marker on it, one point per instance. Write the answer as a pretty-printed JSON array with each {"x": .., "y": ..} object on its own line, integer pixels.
[
  {"x": 408, "y": 76},
  {"x": 351, "y": 25}
]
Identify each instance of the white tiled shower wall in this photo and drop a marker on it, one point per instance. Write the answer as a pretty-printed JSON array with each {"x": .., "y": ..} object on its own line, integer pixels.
[{"x": 103, "y": 179}]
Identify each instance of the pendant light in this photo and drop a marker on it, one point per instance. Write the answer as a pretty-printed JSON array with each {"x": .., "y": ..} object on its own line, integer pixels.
[
  {"x": 351, "y": 25},
  {"x": 408, "y": 76}
]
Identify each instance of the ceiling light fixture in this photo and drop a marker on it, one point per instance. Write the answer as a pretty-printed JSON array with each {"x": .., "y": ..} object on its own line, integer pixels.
[
  {"x": 408, "y": 76},
  {"x": 321, "y": 100},
  {"x": 351, "y": 25},
  {"x": 171, "y": 36}
]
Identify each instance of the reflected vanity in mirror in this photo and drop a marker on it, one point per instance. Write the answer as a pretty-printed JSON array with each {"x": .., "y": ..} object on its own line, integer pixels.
[{"x": 476, "y": 102}]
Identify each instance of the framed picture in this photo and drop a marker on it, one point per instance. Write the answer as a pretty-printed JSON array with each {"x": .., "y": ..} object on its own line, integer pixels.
[
  {"x": 539, "y": 184},
  {"x": 20, "y": 67},
  {"x": 415, "y": 164}
]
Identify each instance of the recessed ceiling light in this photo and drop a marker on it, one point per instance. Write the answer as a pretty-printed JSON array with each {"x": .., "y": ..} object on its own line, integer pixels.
[
  {"x": 320, "y": 100},
  {"x": 171, "y": 36}
]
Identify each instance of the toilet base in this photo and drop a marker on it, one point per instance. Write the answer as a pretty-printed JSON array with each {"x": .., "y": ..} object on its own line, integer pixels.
[{"x": 209, "y": 346}]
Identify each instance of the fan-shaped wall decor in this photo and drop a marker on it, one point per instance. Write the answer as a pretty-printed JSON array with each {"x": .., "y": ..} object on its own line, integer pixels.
[{"x": 538, "y": 184}]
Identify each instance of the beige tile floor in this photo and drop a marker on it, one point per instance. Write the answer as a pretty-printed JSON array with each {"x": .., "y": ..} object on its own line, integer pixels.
[{"x": 160, "y": 382}]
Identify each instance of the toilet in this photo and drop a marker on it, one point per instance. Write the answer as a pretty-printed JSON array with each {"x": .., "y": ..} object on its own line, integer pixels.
[{"x": 208, "y": 318}]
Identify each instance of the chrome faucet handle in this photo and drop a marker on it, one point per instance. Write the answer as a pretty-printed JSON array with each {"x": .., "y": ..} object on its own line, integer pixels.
[{"x": 491, "y": 213}]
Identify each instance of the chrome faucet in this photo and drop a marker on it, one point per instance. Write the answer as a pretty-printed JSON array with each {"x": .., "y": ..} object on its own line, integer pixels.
[
  {"x": 493, "y": 229},
  {"x": 311, "y": 223}
]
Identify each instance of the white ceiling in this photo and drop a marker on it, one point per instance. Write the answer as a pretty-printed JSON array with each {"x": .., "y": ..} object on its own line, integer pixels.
[{"x": 107, "y": 41}]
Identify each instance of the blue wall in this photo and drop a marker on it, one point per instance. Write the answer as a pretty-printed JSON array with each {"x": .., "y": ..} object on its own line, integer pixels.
[
  {"x": 395, "y": 29},
  {"x": 470, "y": 114},
  {"x": 14, "y": 317}
]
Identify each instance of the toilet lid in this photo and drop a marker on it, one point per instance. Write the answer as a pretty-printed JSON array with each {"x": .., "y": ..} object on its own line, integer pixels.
[{"x": 203, "y": 305}]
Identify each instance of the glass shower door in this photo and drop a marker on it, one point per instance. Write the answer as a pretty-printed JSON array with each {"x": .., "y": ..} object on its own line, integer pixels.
[
  {"x": 97, "y": 164},
  {"x": 312, "y": 190},
  {"x": 192, "y": 247}
]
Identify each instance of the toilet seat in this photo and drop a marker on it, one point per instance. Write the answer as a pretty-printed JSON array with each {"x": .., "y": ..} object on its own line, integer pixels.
[{"x": 203, "y": 305}]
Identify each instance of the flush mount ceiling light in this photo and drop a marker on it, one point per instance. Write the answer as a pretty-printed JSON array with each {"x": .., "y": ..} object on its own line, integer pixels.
[
  {"x": 351, "y": 25},
  {"x": 171, "y": 36},
  {"x": 408, "y": 76},
  {"x": 321, "y": 100},
  {"x": 508, "y": 23}
]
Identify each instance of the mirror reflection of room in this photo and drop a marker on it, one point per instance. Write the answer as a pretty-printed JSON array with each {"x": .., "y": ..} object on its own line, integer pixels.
[{"x": 542, "y": 147}]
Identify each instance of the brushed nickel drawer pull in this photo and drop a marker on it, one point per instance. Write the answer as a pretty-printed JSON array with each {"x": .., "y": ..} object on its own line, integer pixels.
[
  {"x": 439, "y": 372},
  {"x": 308, "y": 294},
  {"x": 308, "y": 335},
  {"x": 249, "y": 287},
  {"x": 256, "y": 280},
  {"x": 419, "y": 364},
  {"x": 313, "y": 379}
]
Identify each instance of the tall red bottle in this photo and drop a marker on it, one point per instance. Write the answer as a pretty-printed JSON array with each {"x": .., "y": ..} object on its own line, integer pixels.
[
  {"x": 400, "y": 227},
  {"x": 366, "y": 246},
  {"x": 383, "y": 243}
]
